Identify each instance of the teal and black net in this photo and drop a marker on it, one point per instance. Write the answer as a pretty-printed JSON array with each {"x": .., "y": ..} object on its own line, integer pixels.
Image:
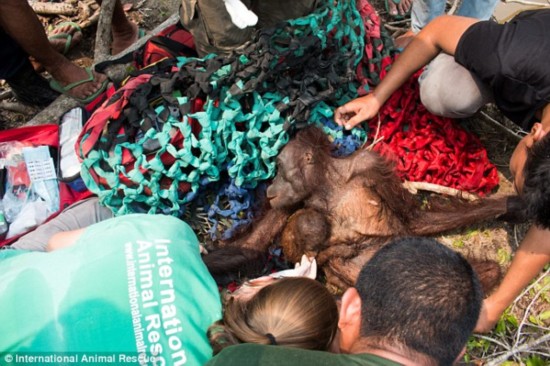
[{"x": 214, "y": 126}]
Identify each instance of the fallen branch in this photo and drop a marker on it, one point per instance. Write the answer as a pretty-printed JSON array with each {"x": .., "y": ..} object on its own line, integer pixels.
[
  {"x": 16, "y": 107},
  {"x": 93, "y": 19},
  {"x": 399, "y": 22},
  {"x": 53, "y": 8},
  {"x": 6, "y": 94},
  {"x": 492, "y": 340},
  {"x": 54, "y": 111},
  {"x": 88, "y": 12},
  {"x": 526, "y": 316},
  {"x": 500, "y": 126},
  {"x": 376, "y": 138},
  {"x": 84, "y": 10},
  {"x": 454, "y": 6},
  {"x": 103, "y": 35},
  {"x": 527, "y": 2},
  {"x": 523, "y": 348},
  {"x": 531, "y": 303},
  {"x": 392, "y": 28},
  {"x": 414, "y": 187}
]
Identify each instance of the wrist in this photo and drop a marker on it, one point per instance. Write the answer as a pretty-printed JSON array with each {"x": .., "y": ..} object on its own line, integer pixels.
[
  {"x": 497, "y": 305},
  {"x": 378, "y": 99}
]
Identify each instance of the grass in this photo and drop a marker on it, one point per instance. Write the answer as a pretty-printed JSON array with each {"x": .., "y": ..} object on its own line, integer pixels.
[{"x": 522, "y": 335}]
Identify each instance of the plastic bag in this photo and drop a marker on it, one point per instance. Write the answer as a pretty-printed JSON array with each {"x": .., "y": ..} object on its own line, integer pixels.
[
  {"x": 17, "y": 181},
  {"x": 30, "y": 180}
]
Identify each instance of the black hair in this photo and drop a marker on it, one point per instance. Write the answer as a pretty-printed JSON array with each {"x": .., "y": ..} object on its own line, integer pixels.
[
  {"x": 417, "y": 293},
  {"x": 536, "y": 185}
]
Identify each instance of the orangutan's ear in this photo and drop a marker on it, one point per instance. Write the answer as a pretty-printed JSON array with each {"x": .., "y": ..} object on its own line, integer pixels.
[{"x": 308, "y": 157}]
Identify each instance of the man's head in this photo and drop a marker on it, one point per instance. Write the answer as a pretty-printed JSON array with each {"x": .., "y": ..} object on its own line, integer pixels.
[
  {"x": 530, "y": 166},
  {"x": 415, "y": 295}
]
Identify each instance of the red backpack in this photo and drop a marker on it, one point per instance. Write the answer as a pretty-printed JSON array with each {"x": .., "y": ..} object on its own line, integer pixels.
[
  {"x": 172, "y": 42},
  {"x": 43, "y": 135}
]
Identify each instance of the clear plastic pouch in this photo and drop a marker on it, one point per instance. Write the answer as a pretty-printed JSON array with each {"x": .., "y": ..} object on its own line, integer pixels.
[{"x": 30, "y": 185}]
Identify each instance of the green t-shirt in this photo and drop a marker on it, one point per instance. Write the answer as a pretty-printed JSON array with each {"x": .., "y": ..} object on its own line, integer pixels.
[
  {"x": 132, "y": 286},
  {"x": 261, "y": 355}
]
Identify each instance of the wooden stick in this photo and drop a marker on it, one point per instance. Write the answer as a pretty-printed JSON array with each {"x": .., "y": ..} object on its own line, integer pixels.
[
  {"x": 6, "y": 94},
  {"x": 517, "y": 137},
  {"x": 88, "y": 12},
  {"x": 454, "y": 7},
  {"x": 103, "y": 35},
  {"x": 392, "y": 28},
  {"x": 53, "y": 112},
  {"x": 91, "y": 20},
  {"x": 526, "y": 2},
  {"x": 523, "y": 348},
  {"x": 414, "y": 187},
  {"x": 53, "y": 8},
  {"x": 16, "y": 107},
  {"x": 398, "y": 22}
]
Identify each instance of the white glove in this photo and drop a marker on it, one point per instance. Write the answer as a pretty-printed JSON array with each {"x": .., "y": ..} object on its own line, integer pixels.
[
  {"x": 306, "y": 268},
  {"x": 240, "y": 15}
]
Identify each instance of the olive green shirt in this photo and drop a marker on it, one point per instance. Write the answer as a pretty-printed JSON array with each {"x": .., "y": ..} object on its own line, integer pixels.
[{"x": 260, "y": 355}]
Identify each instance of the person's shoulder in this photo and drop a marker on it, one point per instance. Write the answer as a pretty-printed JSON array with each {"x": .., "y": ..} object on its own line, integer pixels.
[
  {"x": 248, "y": 354},
  {"x": 141, "y": 220},
  {"x": 143, "y": 226},
  {"x": 6, "y": 253},
  {"x": 263, "y": 355}
]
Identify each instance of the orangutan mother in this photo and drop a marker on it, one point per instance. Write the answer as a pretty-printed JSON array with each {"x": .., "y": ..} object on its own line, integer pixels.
[{"x": 341, "y": 210}]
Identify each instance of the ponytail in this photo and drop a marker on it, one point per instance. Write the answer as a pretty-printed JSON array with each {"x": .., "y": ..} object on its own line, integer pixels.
[{"x": 293, "y": 312}]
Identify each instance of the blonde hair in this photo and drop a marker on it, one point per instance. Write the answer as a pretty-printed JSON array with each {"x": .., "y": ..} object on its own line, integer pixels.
[{"x": 293, "y": 312}]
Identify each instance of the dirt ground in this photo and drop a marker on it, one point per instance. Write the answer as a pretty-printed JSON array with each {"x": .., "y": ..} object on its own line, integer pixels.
[{"x": 494, "y": 240}]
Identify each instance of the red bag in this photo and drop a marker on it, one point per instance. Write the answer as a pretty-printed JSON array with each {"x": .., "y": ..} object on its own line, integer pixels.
[
  {"x": 172, "y": 42},
  {"x": 43, "y": 135}
]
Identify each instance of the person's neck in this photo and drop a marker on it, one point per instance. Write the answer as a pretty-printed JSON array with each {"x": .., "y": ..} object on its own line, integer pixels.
[{"x": 395, "y": 353}]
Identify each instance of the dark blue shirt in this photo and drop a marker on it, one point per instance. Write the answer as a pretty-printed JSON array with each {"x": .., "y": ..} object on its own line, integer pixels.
[{"x": 513, "y": 59}]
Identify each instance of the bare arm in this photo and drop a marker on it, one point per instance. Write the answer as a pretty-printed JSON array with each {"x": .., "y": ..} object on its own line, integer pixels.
[
  {"x": 531, "y": 257},
  {"x": 442, "y": 34},
  {"x": 63, "y": 239}
]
